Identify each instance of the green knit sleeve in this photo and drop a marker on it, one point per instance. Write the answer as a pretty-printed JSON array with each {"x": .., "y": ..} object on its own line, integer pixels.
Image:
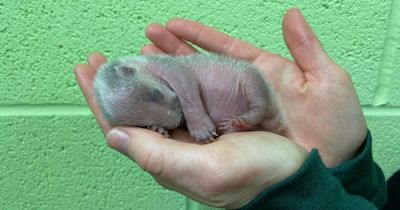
[
  {"x": 316, "y": 187},
  {"x": 362, "y": 176}
]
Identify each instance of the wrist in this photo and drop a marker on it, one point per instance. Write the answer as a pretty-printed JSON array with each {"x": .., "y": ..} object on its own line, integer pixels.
[{"x": 345, "y": 148}]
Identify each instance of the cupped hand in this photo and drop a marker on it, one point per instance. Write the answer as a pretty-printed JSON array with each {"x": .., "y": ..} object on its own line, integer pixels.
[
  {"x": 319, "y": 101},
  {"x": 227, "y": 173}
]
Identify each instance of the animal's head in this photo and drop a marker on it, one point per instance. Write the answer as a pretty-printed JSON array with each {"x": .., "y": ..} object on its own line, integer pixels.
[{"x": 128, "y": 94}]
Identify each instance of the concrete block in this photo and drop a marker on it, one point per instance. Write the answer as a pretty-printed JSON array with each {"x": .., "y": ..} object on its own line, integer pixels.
[
  {"x": 53, "y": 162},
  {"x": 42, "y": 41}
]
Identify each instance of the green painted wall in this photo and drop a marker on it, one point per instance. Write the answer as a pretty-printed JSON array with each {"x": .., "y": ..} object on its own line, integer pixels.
[{"x": 52, "y": 154}]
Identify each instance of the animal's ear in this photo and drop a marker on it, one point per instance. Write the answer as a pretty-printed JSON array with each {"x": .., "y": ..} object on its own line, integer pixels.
[{"x": 126, "y": 71}]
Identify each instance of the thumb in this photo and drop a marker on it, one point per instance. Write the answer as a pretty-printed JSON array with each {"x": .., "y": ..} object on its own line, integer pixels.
[
  {"x": 159, "y": 156},
  {"x": 302, "y": 42}
]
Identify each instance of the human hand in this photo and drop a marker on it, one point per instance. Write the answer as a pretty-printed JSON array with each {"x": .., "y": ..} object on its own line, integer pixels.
[
  {"x": 318, "y": 99},
  {"x": 227, "y": 173},
  {"x": 212, "y": 173}
]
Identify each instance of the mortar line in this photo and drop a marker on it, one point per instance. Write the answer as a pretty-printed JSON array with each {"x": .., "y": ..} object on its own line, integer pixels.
[
  {"x": 387, "y": 111},
  {"x": 76, "y": 109},
  {"x": 43, "y": 109},
  {"x": 388, "y": 55}
]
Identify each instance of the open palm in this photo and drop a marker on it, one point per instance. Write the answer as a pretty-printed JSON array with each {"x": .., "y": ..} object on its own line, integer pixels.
[{"x": 319, "y": 101}]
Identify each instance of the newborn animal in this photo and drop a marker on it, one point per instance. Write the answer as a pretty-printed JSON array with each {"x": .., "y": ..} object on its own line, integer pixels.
[{"x": 210, "y": 94}]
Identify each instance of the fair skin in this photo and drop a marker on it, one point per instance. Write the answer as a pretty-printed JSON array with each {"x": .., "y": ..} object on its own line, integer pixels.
[{"x": 318, "y": 99}]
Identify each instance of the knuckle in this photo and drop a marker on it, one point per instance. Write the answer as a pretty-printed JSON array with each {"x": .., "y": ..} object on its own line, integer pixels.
[{"x": 153, "y": 163}]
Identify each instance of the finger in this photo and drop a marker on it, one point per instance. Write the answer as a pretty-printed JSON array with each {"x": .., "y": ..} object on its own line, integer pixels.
[
  {"x": 85, "y": 74},
  {"x": 213, "y": 40},
  {"x": 151, "y": 49},
  {"x": 96, "y": 60},
  {"x": 302, "y": 42},
  {"x": 161, "y": 157},
  {"x": 166, "y": 41}
]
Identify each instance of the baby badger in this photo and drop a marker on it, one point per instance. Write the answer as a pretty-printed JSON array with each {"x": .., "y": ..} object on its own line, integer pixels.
[{"x": 210, "y": 94}]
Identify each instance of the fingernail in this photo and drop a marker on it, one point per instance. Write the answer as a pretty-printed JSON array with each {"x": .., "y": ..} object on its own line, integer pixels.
[{"x": 117, "y": 140}]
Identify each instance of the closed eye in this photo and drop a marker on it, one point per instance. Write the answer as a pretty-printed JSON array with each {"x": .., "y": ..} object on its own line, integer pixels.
[{"x": 154, "y": 95}]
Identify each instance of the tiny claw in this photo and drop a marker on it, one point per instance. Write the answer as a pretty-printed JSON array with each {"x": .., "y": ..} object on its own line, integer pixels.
[
  {"x": 215, "y": 133},
  {"x": 202, "y": 142},
  {"x": 159, "y": 130},
  {"x": 166, "y": 135}
]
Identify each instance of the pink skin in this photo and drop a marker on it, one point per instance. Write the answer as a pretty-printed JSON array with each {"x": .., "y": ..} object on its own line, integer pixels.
[{"x": 216, "y": 94}]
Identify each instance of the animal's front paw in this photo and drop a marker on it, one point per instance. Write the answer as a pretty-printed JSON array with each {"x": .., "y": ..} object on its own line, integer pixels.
[
  {"x": 203, "y": 132},
  {"x": 234, "y": 124},
  {"x": 159, "y": 130}
]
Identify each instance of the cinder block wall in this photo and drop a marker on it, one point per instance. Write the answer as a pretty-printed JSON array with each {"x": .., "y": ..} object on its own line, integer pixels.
[{"x": 52, "y": 154}]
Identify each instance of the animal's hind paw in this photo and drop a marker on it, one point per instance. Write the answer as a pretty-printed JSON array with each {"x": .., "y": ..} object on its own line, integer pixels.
[{"x": 234, "y": 124}]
